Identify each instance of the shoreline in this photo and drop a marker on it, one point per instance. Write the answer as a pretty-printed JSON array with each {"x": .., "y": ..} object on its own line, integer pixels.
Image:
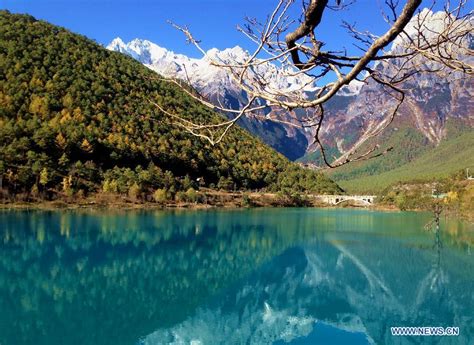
[
  {"x": 150, "y": 206},
  {"x": 123, "y": 204},
  {"x": 211, "y": 199}
]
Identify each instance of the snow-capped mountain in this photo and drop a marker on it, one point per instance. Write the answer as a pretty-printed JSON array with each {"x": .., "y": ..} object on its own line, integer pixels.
[
  {"x": 218, "y": 86},
  {"x": 431, "y": 98},
  {"x": 201, "y": 73}
]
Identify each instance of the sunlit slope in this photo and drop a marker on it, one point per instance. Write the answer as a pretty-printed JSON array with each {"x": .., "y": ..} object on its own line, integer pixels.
[
  {"x": 70, "y": 109},
  {"x": 449, "y": 157}
]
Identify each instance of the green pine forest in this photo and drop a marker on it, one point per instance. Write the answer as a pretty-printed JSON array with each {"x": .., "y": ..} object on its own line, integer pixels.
[{"x": 76, "y": 119}]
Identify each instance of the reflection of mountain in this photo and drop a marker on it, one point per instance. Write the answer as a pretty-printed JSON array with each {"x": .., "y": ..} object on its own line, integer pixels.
[
  {"x": 343, "y": 282},
  {"x": 111, "y": 278}
]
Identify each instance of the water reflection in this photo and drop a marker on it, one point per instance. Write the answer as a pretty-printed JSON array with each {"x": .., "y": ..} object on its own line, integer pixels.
[
  {"x": 357, "y": 286},
  {"x": 240, "y": 277}
]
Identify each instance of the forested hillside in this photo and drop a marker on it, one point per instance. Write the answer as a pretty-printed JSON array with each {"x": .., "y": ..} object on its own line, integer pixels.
[
  {"x": 76, "y": 118},
  {"x": 409, "y": 162}
]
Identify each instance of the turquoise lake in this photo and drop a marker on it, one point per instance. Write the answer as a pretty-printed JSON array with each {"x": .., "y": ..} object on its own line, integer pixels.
[{"x": 256, "y": 276}]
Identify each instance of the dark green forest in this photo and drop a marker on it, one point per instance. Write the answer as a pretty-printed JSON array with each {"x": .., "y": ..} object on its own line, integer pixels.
[{"x": 76, "y": 119}]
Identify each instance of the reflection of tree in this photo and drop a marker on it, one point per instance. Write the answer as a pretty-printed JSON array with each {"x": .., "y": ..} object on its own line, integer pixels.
[
  {"x": 114, "y": 277},
  {"x": 433, "y": 289}
]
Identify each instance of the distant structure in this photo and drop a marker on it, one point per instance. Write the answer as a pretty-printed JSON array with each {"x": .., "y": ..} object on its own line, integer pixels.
[
  {"x": 337, "y": 199},
  {"x": 469, "y": 177},
  {"x": 435, "y": 193},
  {"x": 311, "y": 166},
  {"x": 439, "y": 195}
]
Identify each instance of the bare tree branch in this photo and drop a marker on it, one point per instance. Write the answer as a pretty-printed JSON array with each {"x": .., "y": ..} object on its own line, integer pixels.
[{"x": 409, "y": 46}]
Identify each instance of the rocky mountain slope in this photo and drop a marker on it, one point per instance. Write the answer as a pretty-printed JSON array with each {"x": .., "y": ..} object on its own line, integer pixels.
[{"x": 433, "y": 101}]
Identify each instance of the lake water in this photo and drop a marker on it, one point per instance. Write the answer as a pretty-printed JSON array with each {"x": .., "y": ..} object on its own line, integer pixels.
[{"x": 258, "y": 276}]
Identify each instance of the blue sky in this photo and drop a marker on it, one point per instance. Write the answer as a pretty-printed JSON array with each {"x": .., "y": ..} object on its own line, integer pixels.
[{"x": 212, "y": 21}]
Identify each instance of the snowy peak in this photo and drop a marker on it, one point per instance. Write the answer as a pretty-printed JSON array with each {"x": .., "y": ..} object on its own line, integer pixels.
[
  {"x": 144, "y": 51},
  {"x": 200, "y": 72},
  {"x": 117, "y": 45},
  {"x": 352, "y": 89},
  {"x": 236, "y": 54},
  {"x": 432, "y": 24}
]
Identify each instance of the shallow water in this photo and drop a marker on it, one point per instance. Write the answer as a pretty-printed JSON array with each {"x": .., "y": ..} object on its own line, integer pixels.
[{"x": 259, "y": 276}]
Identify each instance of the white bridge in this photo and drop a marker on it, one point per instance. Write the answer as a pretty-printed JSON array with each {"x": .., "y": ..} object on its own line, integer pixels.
[{"x": 337, "y": 199}]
